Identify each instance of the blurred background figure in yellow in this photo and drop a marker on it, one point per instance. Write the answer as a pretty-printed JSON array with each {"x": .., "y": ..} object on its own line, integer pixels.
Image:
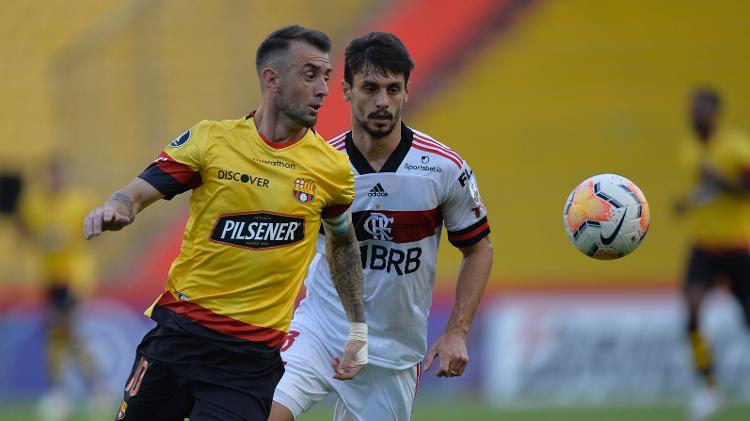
[
  {"x": 718, "y": 218},
  {"x": 50, "y": 215}
]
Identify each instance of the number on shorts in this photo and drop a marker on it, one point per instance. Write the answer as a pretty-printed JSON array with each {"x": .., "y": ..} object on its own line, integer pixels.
[
  {"x": 289, "y": 340},
  {"x": 135, "y": 382}
]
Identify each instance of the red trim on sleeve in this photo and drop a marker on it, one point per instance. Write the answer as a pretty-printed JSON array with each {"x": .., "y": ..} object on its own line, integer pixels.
[
  {"x": 465, "y": 236},
  {"x": 180, "y": 172},
  {"x": 222, "y": 324}
]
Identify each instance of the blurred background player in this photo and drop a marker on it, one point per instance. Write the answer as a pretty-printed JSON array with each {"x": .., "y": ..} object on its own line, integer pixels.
[
  {"x": 229, "y": 296},
  {"x": 407, "y": 184},
  {"x": 50, "y": 218},
  {"x": 718, "y": 216}
]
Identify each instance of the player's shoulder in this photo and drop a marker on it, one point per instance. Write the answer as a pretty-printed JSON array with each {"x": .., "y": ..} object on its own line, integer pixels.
[
  {"x": 327, "y": 153},
  {"x": 208, "y": 132},
  {"x": 201, "y": 132},
  {"x": 212, "y": 128},
  {"x": 328, "y": 149},
  {"x": 338, "y": 142},
  {"x": 435, "y": 152}
]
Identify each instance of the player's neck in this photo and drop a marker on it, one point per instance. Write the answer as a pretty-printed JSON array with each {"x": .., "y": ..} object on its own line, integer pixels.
[
  {"x": 376, "y": 150},
  {"x": 275, "y": 127}
]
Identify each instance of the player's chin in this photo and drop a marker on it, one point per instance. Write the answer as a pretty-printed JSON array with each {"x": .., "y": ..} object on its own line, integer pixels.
[
  {"x": 308, "y": 121},
  {"x": 380, "y": 130}
]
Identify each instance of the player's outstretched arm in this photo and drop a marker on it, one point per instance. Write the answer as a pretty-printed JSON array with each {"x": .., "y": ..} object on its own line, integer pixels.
[
  {"x": 472, "y": 279},
  {"x": 120, "y": 208},
  {"x": 342, "y": 252}
]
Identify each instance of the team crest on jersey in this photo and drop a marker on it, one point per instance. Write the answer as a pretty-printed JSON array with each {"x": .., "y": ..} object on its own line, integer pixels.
[
  {"x": 378, "y": 226},
  {"x": 183, "y": 139},
  {"x": 304, "y": 190}
]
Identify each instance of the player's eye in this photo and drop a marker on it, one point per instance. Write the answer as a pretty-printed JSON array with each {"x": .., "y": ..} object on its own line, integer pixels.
[{"x": 309, "y": 76}]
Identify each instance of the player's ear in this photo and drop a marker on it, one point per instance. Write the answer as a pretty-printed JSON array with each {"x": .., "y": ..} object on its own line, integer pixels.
[
  {"x": 270, "y": 79},
  {"x": 346, "y": 90}
]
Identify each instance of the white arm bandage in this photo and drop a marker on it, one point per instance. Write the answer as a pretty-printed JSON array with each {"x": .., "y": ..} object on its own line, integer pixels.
[{"x": 358, "y": 332}]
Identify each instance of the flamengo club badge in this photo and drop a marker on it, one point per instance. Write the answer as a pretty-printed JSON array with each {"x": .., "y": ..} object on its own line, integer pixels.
[{"x": 304, "y": 190}]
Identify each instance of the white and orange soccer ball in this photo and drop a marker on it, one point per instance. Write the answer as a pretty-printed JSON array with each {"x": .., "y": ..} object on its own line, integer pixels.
[{"x": 606, "y": 216}]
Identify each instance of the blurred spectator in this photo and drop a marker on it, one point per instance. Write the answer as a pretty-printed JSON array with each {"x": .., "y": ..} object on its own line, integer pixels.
[
  {"x": 718, "y": 217},
  {"x": 50, "y": 215}
]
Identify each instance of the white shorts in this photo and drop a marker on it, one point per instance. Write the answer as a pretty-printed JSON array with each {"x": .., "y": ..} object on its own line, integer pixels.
[{"x": 376, "y": 394}]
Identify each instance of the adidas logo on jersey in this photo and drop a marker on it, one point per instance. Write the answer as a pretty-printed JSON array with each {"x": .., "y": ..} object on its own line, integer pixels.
[{"x": 378, "y": 190}]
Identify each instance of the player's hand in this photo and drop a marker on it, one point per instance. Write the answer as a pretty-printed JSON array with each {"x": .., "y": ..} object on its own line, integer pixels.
[
  {"x": 103, "y": 218},
  {"x": 345, "y": 368},
  {"x": 451, "y": 348}
]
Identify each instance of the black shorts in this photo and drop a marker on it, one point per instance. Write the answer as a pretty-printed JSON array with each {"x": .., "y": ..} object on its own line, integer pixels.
[
  {"x": 61, "y": 299},
  {"x": 705, "y": 267},
  {"x": 177, "y": 375}
]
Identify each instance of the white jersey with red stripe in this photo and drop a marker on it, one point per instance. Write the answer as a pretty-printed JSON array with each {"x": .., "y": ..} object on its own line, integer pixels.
[{"x": 398, "y": 213}]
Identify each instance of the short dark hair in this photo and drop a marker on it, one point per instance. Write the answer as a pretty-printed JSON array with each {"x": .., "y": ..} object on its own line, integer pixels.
[
  {"x": 707, "y": 94},
  {"x": 380, "y": 52},
  {"x": 278, "y": 41}
]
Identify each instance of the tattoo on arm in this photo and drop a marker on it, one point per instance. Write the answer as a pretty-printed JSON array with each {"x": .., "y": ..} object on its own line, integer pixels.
[
  {"x": 346, "y": 270},
  {"x": 125, "y": 200}
]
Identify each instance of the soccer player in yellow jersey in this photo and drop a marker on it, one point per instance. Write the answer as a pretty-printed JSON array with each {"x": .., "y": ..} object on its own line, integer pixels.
[
  {"x": 718, "y": 216},
  {"x": 50, "y": 217},
  {"x": 261, "y": 186}
]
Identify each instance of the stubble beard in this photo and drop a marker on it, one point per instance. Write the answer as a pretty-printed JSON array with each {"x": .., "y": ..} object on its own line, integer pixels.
[
  {"x": 295, "y": 112},
  {"x": 379, "y": 132}
]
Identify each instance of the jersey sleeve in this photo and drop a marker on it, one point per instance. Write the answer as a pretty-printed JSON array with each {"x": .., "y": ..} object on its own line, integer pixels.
[
  {"x": 178, "y": 167},
  {"x": 463, "y": 211},
  {"x": 342, "y": 194}
]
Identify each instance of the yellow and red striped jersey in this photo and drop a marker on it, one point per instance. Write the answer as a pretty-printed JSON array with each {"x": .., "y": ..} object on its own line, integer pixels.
[
  {"x": 723, "y": 222},
  {"x": 255, "y": 212}
]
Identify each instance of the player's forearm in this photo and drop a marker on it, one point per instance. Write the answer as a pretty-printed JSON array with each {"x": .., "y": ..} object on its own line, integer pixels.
[
  {"x": 342, "y": 251},
  {"x": 133, "y": 198},
  {"x": 472, "y": 280}
]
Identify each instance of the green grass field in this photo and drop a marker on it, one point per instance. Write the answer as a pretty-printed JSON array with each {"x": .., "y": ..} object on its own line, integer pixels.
[{"x": 464, "y": 411}]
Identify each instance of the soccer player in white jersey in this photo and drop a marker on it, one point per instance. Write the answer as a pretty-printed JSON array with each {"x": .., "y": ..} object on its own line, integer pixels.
[{"x": 407, "y": 185}]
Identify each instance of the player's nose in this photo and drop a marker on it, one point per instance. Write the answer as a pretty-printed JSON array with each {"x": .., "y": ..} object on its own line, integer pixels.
[
  {"x": 381, "y": 99},
  {"x": 321, "y": 88}
]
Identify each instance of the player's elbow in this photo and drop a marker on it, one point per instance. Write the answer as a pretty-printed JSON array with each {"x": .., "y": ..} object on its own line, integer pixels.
[{"x": 482, "y": 248}]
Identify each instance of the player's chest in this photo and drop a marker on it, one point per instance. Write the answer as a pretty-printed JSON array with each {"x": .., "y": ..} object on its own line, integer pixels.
[
  {"x": 252, "y": 180},
  {"x": 395, "y": 208},
  {"x": 395, "y": 191}
]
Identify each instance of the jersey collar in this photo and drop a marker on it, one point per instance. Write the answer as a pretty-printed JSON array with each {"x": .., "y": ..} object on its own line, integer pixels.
[
  {"x": 275, "y": 145},
  {"x": 394, "y": 161}
]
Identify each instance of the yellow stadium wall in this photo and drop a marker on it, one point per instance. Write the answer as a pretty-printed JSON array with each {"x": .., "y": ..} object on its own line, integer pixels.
[
  {"x": 109, "y": 83},
  {"x": 576, "y": 88}
]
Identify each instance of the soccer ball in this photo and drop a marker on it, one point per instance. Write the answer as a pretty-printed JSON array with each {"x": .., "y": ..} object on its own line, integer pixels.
[{"x": 606, "y": 216}]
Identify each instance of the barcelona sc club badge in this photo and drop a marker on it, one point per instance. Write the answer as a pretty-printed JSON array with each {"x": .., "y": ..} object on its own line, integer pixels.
[{"x": 304, "y": 190}]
